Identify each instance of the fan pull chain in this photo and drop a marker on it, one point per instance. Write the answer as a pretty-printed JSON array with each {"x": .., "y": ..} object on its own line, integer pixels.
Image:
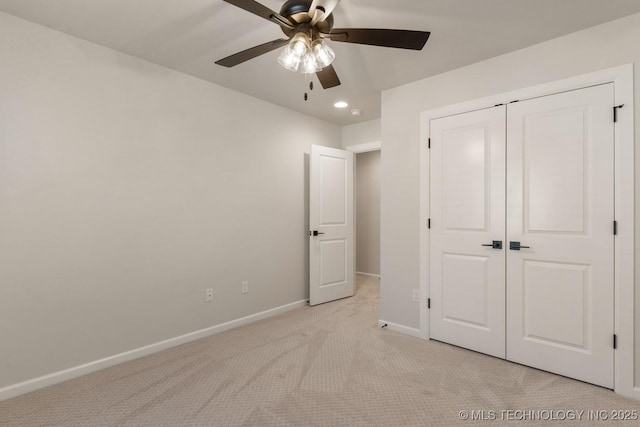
[{"x": 306, "y": 95}]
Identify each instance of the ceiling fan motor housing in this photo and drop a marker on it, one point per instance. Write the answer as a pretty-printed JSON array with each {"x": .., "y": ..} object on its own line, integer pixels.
[{"x": 297, "y": 11}]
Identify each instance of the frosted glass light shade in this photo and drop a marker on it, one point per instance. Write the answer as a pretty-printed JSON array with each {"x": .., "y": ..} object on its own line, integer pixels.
[
  {"x": 306, "y": 56},
  {"x": 299, "y": 45},
  {"x": 289, "y": 59},
  {"x": 323, "y": 53},
  {"x": 309, "y": 64}
]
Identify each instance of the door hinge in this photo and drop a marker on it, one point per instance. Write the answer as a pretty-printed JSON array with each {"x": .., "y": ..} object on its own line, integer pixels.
[
  {"x": 615, "y": 228},
  {"x": 615, "y": 112},
  {"x": 615, "y": 341},
  {"x": 429, "y": 143},
  {"x": 428, "y": 303},
  {"x": 429, "y": 223}
]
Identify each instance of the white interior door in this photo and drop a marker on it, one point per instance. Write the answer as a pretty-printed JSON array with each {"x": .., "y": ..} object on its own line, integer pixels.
[
  {"x": 467, "y": 277},
  {"x": 331, "y": 249},
  {"x": 560, "y": 205}
]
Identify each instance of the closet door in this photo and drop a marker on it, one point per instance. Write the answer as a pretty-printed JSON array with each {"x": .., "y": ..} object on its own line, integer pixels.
[
  {"x": 467, "y": 275},
  {"x": 560, "y": 186}
]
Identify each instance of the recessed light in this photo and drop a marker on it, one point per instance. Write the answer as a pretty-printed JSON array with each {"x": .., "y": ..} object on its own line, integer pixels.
[
  {"x": 356, "y": 112},
  {"x": 341, "y": 104}
]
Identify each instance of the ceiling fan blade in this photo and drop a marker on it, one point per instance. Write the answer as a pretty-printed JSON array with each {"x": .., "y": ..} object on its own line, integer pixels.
[
  {"x": 328, "y": 77},
  {"x": 327, "y": 5},
  {"x": 401, "y": 39},
  {"x": 245, "y": 55},
  {"x": 262, "y": 11}
]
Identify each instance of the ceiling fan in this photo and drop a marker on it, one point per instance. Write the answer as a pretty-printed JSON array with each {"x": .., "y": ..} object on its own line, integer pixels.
[{"x": 307, "y": 23}]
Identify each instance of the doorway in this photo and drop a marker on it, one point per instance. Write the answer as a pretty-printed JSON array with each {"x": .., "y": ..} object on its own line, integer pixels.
[
  {"x": 367, "y": 196},
  {"x": 344, "y": 215}
]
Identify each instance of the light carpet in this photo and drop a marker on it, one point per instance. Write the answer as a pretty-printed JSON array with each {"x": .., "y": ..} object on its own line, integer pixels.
[{"x": 329, "y": 365}]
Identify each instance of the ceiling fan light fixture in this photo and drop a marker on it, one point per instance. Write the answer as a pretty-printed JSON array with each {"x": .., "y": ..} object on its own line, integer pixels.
[
  {"x": 310, "y": 64},
  {"x": 296, "y": 53},
  {"x": 289, "y": 59},
  {"x": 304, "y": 55},
  {"x": 300, "y": 44},
  {"x": 323, "y": 53}
]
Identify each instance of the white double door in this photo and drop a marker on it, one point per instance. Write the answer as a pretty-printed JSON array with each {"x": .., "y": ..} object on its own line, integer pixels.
[{"x": 521, "y": 240}]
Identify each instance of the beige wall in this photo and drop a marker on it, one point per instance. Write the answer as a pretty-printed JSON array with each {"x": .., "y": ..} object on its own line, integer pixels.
[
  {"x": 361, "y": 133},
  {"x": 600, "y": 47},
  {"x": 126, "y": 190},
  {"x": 368, "y": 212}
]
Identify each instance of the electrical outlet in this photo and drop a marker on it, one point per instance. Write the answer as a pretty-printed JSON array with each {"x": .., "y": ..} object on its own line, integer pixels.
[
  {"x": 245, "y": 287},
  {"x": 416, "y": 295},
  {"x": 208, "y": 295}
]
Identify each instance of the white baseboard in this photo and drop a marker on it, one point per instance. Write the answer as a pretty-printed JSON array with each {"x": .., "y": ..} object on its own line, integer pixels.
[
  {"x": 77, "y": 371},
  {"x": 367, "y": 274},
  {"x": 400, "y": 328},
  {"x": 632, "y": 393}
]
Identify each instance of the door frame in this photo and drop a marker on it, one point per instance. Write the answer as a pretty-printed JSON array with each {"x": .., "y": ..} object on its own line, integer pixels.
[{"x": 624, "y": 194}]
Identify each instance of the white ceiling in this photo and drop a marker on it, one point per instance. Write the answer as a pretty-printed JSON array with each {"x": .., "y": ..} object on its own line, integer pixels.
[{"x": 189, "y": 35}]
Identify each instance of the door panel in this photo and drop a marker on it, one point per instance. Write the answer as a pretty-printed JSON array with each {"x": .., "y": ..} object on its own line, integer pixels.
[
  {"x": 555, "y": 170},
  {"x": 464, "y": 175},
  {"x": 331, "y": 250},
  {"x": 547, "y": 319},
  {"x": 560, "y": 204},
  {"x": 333, "y": 262},
  {"x": 333, "y": 182},
  {"x": 467, "y": 211},
  {"x": 465, "y": 290}
]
